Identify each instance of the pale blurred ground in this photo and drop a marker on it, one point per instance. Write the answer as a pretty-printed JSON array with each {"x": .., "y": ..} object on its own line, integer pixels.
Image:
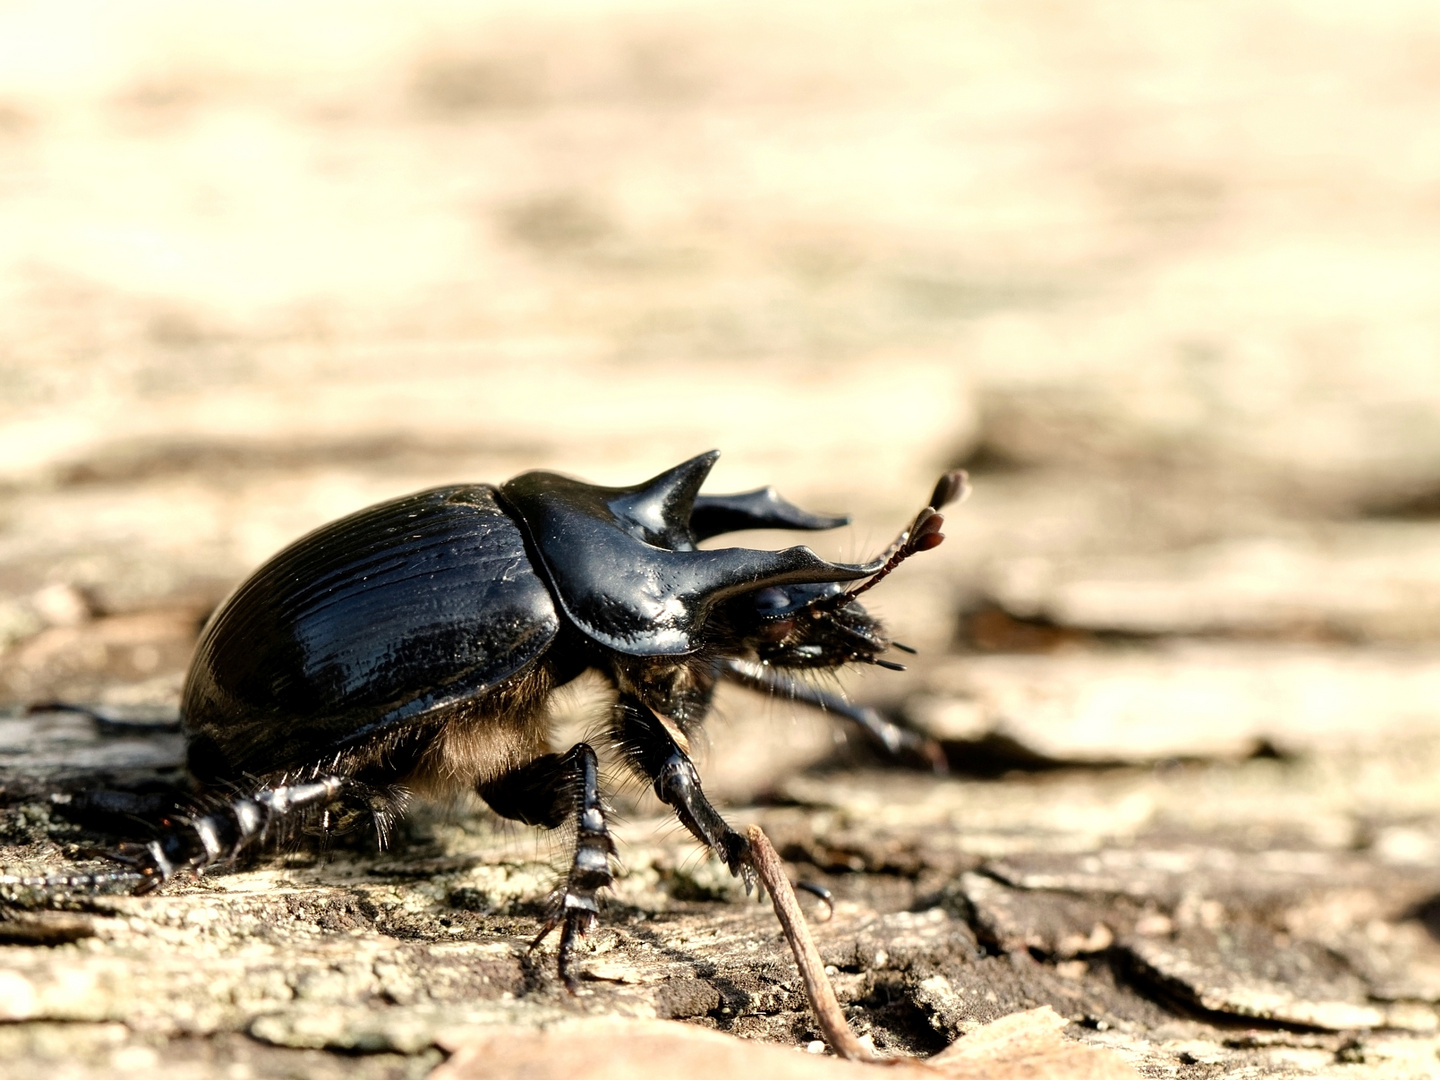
[
  {"x": 274, "y": 261},
  {"x": 1166, "y": 276}
]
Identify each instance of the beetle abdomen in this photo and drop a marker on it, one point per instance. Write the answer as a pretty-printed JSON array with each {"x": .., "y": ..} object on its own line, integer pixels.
[{"x": 401, "y": 610}]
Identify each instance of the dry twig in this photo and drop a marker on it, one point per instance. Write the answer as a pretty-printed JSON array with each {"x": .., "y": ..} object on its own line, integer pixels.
[{"x": 818, "y": 990}]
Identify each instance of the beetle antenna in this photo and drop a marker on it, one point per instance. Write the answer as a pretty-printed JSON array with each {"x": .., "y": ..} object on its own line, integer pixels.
[
  {"x": 904, "y": 648},
  {"x": 924, "y": 532},
  {"x": 954, "y": 487}
]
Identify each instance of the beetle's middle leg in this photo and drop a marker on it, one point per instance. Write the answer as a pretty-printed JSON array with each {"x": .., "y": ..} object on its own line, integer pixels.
[
  {"x": 548, "y": 791},
  {"x": 651, "y": 747}
]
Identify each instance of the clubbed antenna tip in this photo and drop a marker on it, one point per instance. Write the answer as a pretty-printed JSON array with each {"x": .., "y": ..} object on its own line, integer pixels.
[
  {"x": 954, "y": 486},
  {"x": 924, "y": 533}
]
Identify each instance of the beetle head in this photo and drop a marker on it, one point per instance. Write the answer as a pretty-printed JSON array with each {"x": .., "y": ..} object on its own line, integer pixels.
[
  {"x": 624, "y": 567},
  {"x": 805, "y": 626},
  {"x": 824, "y": 625}
]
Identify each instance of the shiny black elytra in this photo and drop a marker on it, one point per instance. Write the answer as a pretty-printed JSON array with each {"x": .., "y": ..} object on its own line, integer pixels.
[{"x": 411, "y": 647}]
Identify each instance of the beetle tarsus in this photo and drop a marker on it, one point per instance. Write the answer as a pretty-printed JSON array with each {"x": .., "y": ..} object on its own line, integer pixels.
[{"x": 576, "y": 925}]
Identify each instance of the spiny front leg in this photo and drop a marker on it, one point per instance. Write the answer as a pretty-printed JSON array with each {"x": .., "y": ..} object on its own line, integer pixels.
[
  {"x": 897, "y": 741},
  {"x": 651, "y": 747},
  {"x": 545, "y": 792}
]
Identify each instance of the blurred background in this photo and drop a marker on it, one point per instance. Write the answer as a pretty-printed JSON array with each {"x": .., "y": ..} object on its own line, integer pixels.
[{"x": 1165, "y": 277}]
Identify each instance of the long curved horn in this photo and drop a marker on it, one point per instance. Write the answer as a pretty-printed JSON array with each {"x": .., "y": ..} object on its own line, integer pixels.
[{"x": 763, "y": 508}]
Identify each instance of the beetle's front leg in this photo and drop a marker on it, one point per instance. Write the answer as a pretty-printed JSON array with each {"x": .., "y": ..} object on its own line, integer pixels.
[
  {"x": 652, "y": 749},
  {"x": 545, "y": 792},
  {"x": 897, "y": 741}
]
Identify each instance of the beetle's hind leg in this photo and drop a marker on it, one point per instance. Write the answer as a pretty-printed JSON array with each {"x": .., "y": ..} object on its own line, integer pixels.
[
  {"x": 196, "y": 843},
  {"x": 547, "y": 792}
]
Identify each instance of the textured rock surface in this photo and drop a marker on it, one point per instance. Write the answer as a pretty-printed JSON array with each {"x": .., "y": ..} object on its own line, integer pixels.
[{"x": 1163, "y": 278}]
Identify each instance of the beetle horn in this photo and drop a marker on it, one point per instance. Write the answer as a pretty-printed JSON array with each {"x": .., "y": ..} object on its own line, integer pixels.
[
  {"x": 661, "y": 505},
  {"x": 725, "y": 572},
  {"x": 762, "y": 508}
]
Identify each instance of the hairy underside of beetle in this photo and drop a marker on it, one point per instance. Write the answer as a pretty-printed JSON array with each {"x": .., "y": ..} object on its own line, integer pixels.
[{"x": 472, "y": 745}]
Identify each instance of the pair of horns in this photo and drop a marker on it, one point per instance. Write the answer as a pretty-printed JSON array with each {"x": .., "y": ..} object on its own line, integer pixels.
[
  {"x": 664, "y": 497},
  {"x": 624, "y": 564},
  {"x": 667, "y": 497},
  {"x": 671, "y": 502}
]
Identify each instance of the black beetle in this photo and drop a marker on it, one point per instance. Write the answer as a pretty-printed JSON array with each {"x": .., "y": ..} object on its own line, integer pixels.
[{"x": 412, "y": 647}]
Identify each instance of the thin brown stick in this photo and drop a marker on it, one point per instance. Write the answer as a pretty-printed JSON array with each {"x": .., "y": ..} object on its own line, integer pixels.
[{"x": 818, "y": 990}]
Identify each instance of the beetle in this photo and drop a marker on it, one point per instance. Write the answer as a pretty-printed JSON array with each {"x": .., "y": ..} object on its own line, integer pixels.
[{"x": 412, "y": 647}]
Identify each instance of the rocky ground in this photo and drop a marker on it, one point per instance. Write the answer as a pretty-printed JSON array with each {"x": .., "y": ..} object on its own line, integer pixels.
[{"x": 1162, "y": 278}]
